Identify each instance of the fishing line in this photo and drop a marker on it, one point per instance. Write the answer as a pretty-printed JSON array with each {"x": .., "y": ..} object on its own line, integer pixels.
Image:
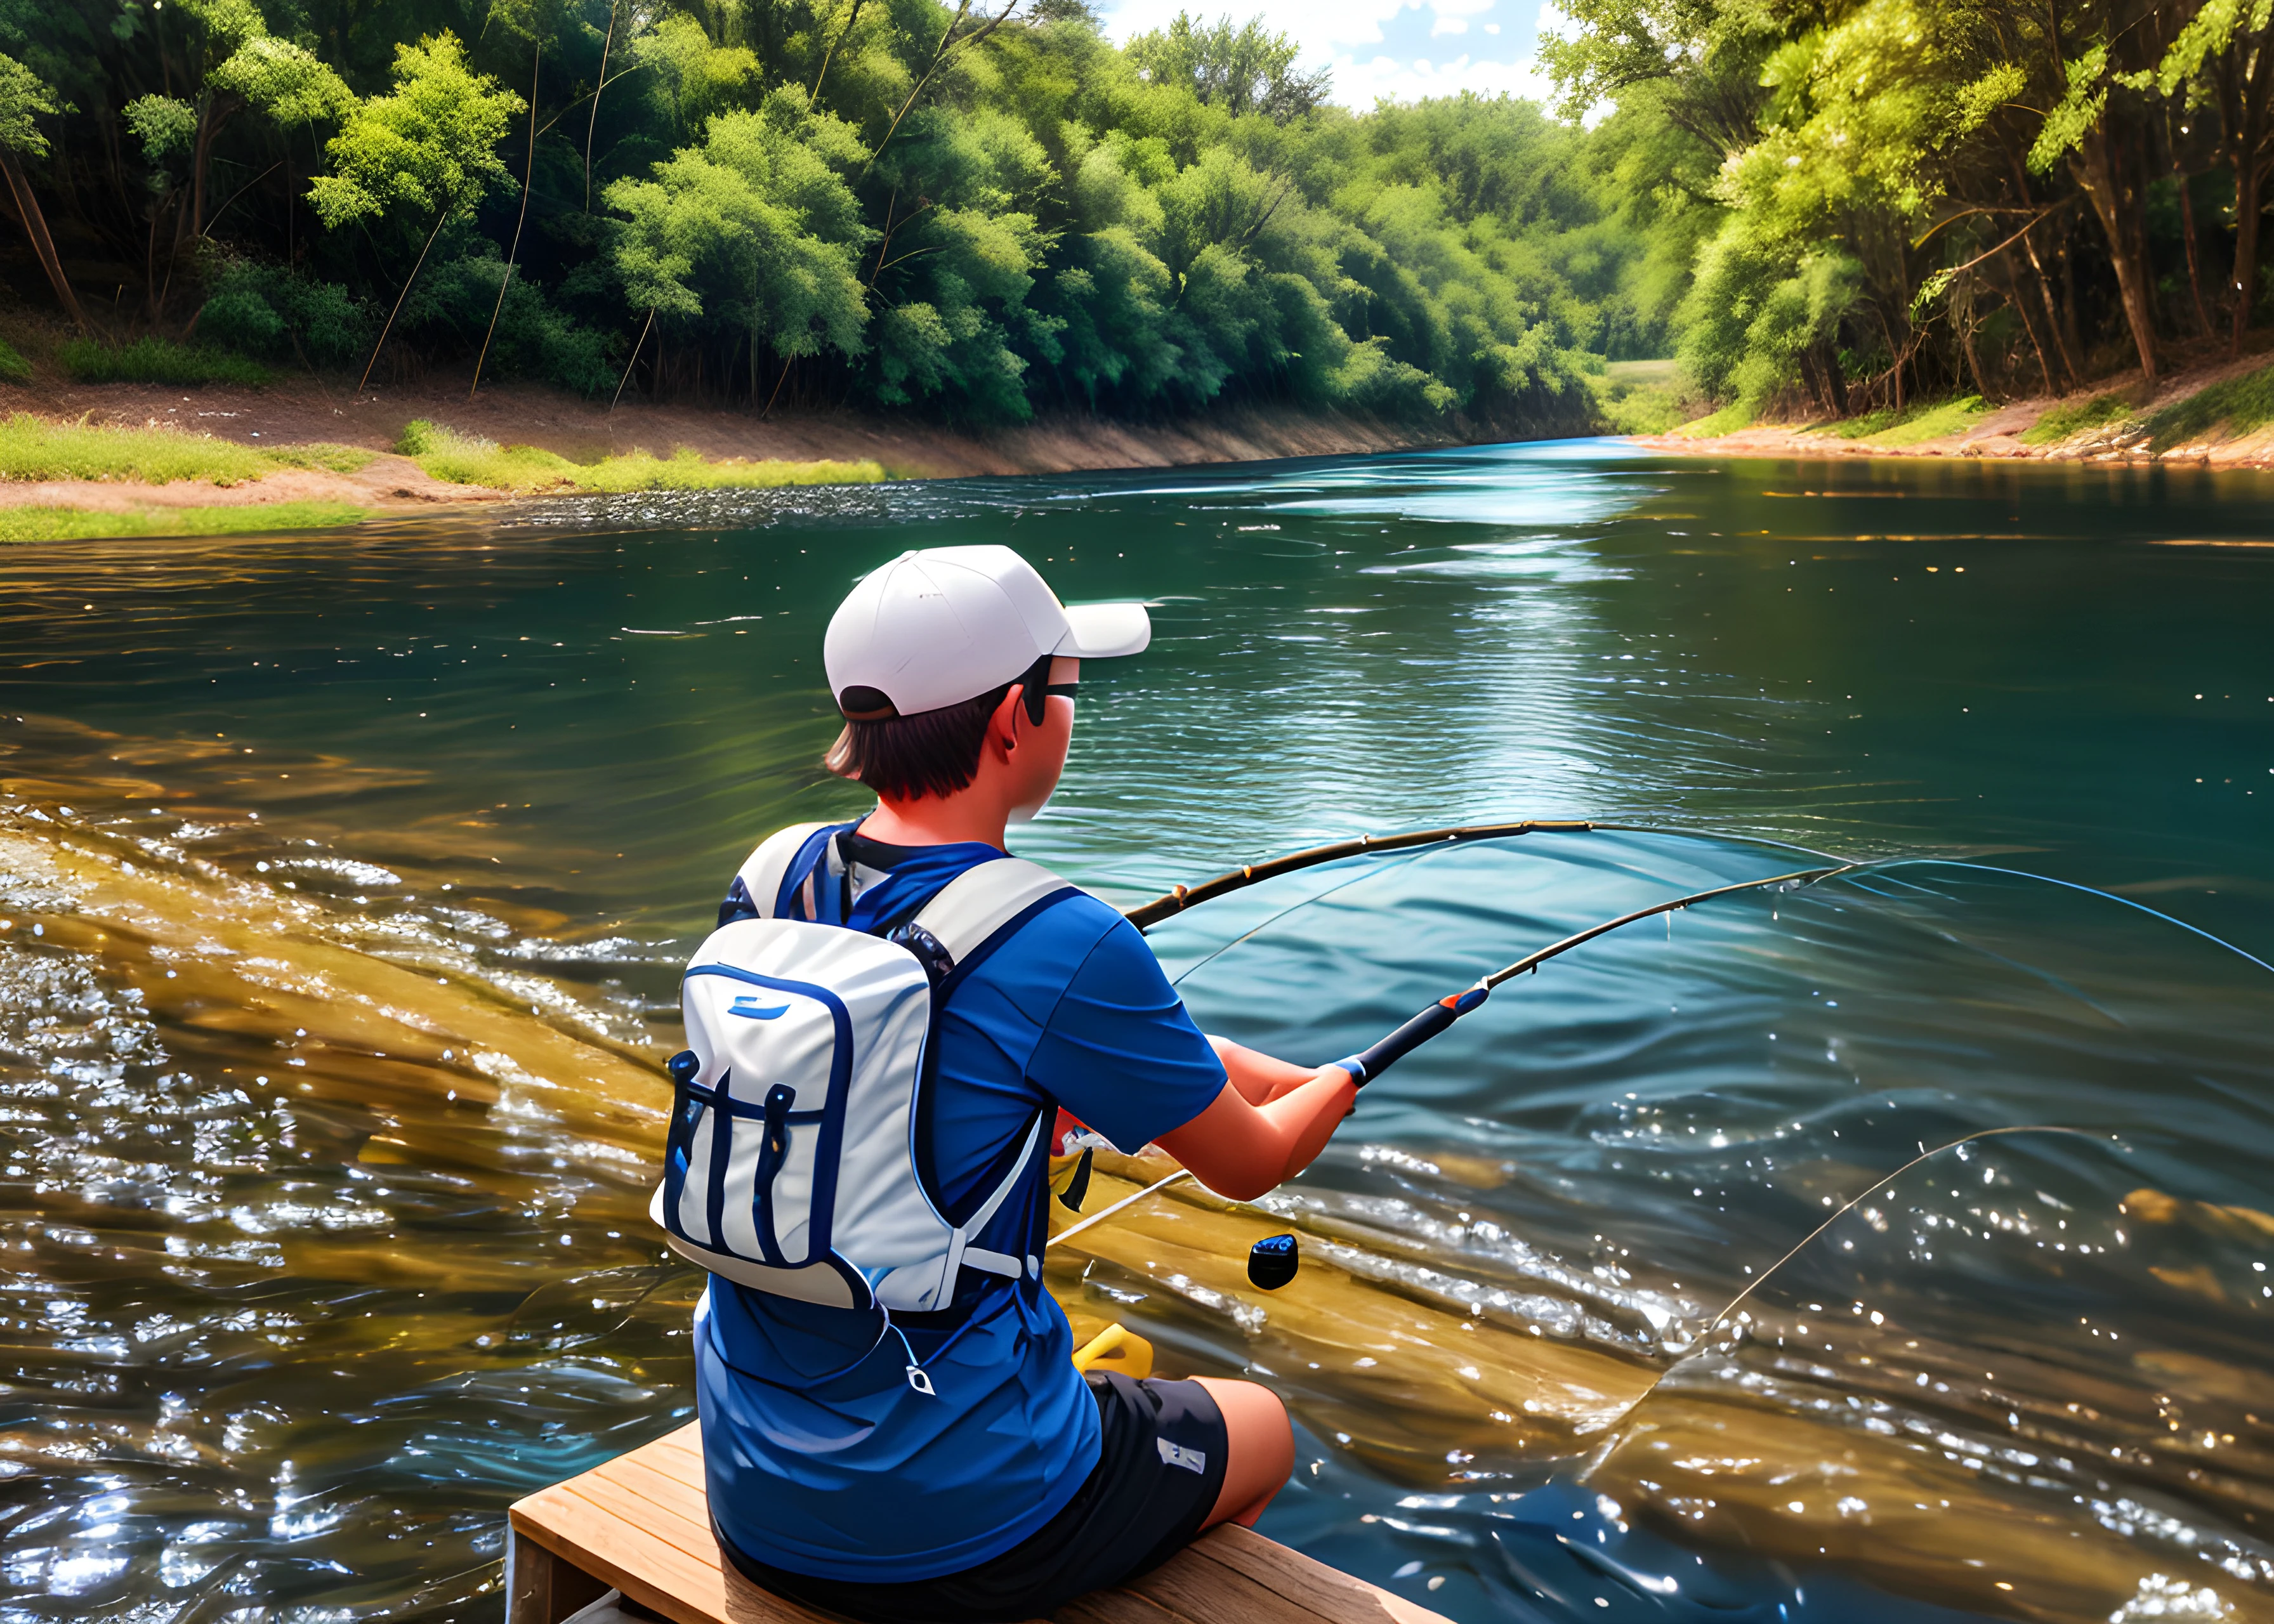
[
  {"x": 1850, "y": 1206},
  {"x": 2106, "y": 896},
  {"x": 1303, "y": 902},
  {"x": 1073, "y": 1229},
  {"x": 1370, "y": 1062},
  {"x": 1846, "y": 1207}
]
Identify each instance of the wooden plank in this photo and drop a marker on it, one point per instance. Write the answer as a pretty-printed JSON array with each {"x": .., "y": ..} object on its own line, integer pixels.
[
  {"x": 640, "y": 1522},
  {"x": 650, "y": 1571},
  {"x": 541, "y": 1588},
  {"x": 1114, "y": 1607},
  {"x": 1327, "y": 1592},
  {"x": 692, "y": 1540},
  {"x": 684, "y": 1440},
  {"x": 667, "y": 1561},
  {"x": 1202, "y": 1591},
  {"x": 673, "y": 1495}
]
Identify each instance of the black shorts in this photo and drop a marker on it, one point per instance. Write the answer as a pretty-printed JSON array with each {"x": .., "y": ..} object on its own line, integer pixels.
[{"x": 1160, "y": 1468}]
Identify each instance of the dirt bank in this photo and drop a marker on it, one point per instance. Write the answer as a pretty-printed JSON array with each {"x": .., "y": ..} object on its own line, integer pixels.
[
  {"x": 386, "y": 483},
  {"x": 299, "y": 412},
  {"x": 2132, "y": 436}
]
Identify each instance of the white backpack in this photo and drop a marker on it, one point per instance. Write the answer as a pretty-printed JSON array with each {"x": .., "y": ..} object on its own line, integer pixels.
[{"x": 791, "y": 1162}]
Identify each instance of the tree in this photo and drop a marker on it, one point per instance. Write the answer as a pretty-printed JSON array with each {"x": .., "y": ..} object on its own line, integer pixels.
[
  {"x": 754, "y": 232},
  {"x": 1242, "y": 71},
  {"x": 2222, "y": 61},
  {"x": 430, "y": 144},
  {"x": 22, "y": 97}
]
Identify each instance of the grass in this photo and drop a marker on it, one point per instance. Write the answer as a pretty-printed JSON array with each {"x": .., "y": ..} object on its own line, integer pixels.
[
  {"x": 1728, "y": 420},
  {"x": 466, "y": 459},
  {"x": 1913, "y": 424},
  {"x": 2061, "y": 422},
  {"x": 156, "y": 360},
  {"x": 13, "y": 368},
  {"x": 34, "y": 448},
  {"x": 75, "y": 524},
  {"x": 2241, "y": 404}
]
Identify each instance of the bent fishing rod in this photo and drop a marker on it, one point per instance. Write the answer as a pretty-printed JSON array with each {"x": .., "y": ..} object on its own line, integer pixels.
[
  {"x": 1177, "y": 898},
  {"x": 1438, "y": 1018}
]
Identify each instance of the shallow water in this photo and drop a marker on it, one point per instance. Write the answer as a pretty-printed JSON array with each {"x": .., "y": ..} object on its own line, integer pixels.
[{"x": 345, "y": 883}]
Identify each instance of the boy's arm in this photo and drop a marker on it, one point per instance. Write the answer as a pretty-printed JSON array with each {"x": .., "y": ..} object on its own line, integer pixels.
[
  {"x": 1259, "y": 1077},
  {"x": 1242, "y": 1149}
]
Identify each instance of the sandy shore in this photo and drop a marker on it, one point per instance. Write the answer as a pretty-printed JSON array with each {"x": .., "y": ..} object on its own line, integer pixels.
[
  {"x": 305, "y": 410},
  {"x": 1998, "y": 433}
]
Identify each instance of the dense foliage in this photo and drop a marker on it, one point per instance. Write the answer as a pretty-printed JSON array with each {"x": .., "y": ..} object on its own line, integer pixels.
[
  {"x": 894, "y": 203},
  {"x": 1927, "y": 197}
]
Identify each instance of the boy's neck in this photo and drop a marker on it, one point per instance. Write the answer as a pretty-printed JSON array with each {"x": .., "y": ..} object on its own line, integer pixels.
[{"x": 938, "y": 820}]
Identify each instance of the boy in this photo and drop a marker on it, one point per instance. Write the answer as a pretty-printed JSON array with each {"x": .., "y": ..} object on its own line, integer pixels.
[{"x": 954, "y": 1466}]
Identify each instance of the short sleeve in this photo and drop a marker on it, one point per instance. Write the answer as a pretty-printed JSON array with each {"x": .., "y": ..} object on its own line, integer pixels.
[{"x": 1120, "y": 1052}]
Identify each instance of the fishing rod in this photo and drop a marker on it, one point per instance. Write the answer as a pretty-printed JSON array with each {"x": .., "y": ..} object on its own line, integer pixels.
[
  {"x": 1177, "y": 898},
  {"x": 1372, "y": 1062}
]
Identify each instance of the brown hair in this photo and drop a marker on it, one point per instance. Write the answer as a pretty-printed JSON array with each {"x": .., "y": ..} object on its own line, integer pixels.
[{"x": 906, "y": 757}]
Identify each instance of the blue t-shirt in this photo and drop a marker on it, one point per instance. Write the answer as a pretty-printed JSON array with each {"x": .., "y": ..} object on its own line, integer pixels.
[{"x": 857, "y": 1475}]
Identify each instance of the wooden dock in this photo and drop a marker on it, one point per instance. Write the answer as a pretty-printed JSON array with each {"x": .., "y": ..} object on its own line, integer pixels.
[{"x": 641, "y": 1524}]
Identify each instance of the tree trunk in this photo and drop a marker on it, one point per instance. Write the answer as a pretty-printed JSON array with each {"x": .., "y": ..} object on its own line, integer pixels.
[
  {"x": 2028, "y": 323},
  {"x": 1812, "y": 381},
  {"x": 1835, "y": 383},
  {"x": 2188, "y": 226},
  {"x": 2249, "y": 184},
  {"x": 2099, "y": 169},
  {"x": 35, "y": 227}
]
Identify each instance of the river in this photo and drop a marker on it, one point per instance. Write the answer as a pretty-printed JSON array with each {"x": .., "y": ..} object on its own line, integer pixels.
[{"x": 344, "y": 883}]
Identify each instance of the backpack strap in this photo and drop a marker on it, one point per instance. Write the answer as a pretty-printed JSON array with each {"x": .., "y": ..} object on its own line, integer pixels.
[
  {"x": 758, "y": 882},
  {"x": 971, "y": 916},
  {"x": 986, "y": 902}
]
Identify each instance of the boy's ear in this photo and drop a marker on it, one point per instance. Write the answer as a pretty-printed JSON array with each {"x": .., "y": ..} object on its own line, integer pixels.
[{"x": 1003, "y": 726}]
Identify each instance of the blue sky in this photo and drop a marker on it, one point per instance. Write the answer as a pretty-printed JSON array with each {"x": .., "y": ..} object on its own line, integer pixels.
[{"x": 1403, "y": 48}]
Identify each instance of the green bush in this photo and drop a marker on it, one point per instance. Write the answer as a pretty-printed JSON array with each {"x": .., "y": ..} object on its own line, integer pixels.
[
  {"x": 2241, "y": 405},
  {"x": 1635, "y": 404},
  {"x": 534, "y": 339},
  {"x": 75, "y": 524},
  {"x": 156, "y": 360},
  {"x": 13, "y": 368},
  {"x": 2062, "y": 421},
  {"x": 278, "y": 315}
]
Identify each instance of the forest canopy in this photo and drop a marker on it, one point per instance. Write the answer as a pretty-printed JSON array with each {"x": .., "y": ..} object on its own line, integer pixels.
[
  {"x": 980, "y": 214},
  {"x": 977, "y": 212}
]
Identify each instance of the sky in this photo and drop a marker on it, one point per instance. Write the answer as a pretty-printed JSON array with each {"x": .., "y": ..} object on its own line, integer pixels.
[{"x": 1402, "y": 48}]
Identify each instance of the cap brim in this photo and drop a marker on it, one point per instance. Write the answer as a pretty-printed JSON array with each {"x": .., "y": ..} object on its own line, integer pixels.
[{"x": 1101, "y": 631}]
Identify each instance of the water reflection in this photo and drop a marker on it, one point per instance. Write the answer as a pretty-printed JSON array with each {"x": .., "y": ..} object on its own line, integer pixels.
[{"x": 345, "y": 885}]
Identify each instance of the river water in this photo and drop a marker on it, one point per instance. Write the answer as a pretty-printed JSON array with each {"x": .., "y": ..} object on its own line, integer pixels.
[{"x": 344, "y": 883}]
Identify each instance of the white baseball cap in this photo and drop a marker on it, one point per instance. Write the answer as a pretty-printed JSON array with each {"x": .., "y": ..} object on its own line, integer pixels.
[{"x": 936, "y": 627}]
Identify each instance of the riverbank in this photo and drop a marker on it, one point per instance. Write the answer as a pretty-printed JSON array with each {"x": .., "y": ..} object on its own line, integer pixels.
[
  {"x": 517, "y": 442},
  {"x": 2219, "y": 416}
]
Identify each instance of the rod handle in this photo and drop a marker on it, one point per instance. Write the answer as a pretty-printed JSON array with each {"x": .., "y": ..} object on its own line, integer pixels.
[{"x": 1370, "y": 1062}]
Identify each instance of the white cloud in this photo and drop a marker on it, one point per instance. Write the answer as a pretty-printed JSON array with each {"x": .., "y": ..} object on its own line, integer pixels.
[{"x": 1359, "y": 84}]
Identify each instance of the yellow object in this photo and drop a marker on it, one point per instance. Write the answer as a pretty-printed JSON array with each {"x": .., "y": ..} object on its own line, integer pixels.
[{"x": 1118, "y": 1348}]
